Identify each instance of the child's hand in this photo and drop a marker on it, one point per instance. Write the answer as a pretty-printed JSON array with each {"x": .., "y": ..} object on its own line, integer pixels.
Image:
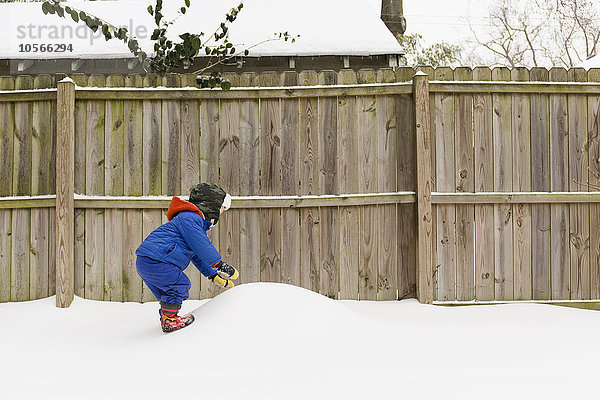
[
  {"x": 227, "y": 270},
  {"x": 219, "y": 280}
]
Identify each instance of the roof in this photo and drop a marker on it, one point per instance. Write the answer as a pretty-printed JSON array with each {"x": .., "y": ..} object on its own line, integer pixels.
[{"x": 331, "y": 27}]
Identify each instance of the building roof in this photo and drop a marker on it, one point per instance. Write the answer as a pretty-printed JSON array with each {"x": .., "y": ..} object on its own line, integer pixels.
[{"x": 331, "y": 27}]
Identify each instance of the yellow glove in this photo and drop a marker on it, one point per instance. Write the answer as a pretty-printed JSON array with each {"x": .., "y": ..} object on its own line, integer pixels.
[{"x": 218, "y": 280}]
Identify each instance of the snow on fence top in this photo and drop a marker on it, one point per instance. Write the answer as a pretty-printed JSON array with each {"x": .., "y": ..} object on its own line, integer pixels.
[{"x": 332, "y": 27}]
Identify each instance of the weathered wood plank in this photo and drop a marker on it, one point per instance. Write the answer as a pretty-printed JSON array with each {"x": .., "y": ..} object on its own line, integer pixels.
[
  {"x": 41, "y": 160},
  {"x": 444, "y": 127},
  {"x": 579, "y": 214},
  {"x": 367, "y": 183},
  {"x": 540, "y": 181},
  {"x": 348, "y": 183},
  {"x": 328, "y": 181},
  {"x": 465, "y": 182},
  {"x": 21, "y": 185},
  {"x": 113, "y": 185},
  {"x": 229, "y": 126},
  {"x": 249, "y": 184},
  {"x": 95, "y": 185},
  {"x": 270, "y": 142},
  {"x": 290, "y": 171},
  {"x": 190, "y": 170},
  {"x": 484, "y": 182},
  {"x": 559, "y": 182},
  {"x": 5, "y": 254},
  {"x": 521, "y": 129},
  {"x": 79, "y": 174},
  {"x": 132, "y": 186},
  {"x": 23, "y": 133},
  {"x": 132, "y": 231},
  {"x": 19, "y": 272},
  {"x": 310, "y": 254},
  {"x": 171, "y": 134},
  {"x": 406, "y": 177},
  {"x": 594, "y": 179},
  {"x": 151, "y": 219},
  {"x": 7, "y": 132},
  {"x": 387, "y": 133},
  {"x": 209, "y": 170}
]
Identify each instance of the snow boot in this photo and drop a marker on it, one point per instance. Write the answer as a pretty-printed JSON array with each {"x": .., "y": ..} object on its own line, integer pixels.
[
  {"x": 170, "y": 321},
  {"x": 227, "y": 269}
]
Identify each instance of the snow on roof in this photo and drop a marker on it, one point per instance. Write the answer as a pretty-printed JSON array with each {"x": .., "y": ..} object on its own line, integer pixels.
[{"x": 331, "y": 27}]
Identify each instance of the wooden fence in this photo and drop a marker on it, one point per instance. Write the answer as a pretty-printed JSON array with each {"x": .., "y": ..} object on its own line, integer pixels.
[{"x": 370, "y": 185}]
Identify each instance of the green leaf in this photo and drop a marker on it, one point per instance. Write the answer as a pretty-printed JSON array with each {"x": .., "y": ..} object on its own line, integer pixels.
[
  {"x": 225, "y": 85},
  {"x": 74, "y": 16},
  {"x": 150, "y": 10},
  {"x": 183, "y": 10},
  {"x": 207, "y": 49},
  {"x": 187, "y": 3},
  {"x": 45, "y": 8},
  {"x": 246, "y": 52},
  {"x": 60, "y": 11}
]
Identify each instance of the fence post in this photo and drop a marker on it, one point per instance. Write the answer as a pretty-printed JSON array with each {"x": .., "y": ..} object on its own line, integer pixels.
[
  {"x": 424, "y": 183},
  {"x": 65, "y": 212}
]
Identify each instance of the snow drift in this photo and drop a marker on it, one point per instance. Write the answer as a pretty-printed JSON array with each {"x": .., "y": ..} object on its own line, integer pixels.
[{"x": 274, "y": 341}]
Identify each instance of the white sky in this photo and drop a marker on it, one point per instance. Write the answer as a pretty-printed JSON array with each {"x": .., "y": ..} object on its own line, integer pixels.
[{"x": 442, "y": 20}]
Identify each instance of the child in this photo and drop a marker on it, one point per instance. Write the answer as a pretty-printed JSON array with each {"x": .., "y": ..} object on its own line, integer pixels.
[{"x": 167, "y": 251}]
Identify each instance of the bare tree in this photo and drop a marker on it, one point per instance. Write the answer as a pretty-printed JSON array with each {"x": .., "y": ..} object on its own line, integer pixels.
[{"x": 540, "y": 32}]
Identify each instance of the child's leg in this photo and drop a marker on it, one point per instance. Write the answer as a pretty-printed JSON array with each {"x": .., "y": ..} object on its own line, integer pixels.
[{"x": 167, "y": 282}]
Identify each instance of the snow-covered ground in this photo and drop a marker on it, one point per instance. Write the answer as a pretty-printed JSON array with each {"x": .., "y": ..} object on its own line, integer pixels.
[{"x": 274, "y": 341}]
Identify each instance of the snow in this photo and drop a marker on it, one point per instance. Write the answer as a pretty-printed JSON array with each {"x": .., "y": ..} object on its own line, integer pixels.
[
  {"x": 275, "y": 341},
  {"x": 332, "y": 27}
]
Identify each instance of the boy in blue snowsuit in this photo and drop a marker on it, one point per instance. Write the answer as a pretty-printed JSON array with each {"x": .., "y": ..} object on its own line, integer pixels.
[{"x": 168, "y": 250}]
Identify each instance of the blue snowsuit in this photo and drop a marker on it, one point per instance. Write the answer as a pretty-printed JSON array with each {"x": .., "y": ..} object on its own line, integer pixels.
[{"x": 167, "y": 251}]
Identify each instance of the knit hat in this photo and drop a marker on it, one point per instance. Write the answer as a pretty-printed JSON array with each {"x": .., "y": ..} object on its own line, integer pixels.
[{"x": 209, "y": 198}]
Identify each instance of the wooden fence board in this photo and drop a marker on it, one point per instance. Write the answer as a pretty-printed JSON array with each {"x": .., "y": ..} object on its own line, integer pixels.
[
  {"x": 290, "y": 171},
  {"x": 79, "y": 174},
  {"x": 270, "y": 225},
  {"x": 19, "y": 272},
  {"x": 229, "y": 228},
  {"x": 151, "y": 219},
  {"x": 209, "y": 170},
  {"x": 5, "y": 254},
  {"x": 113, "y": 185},
  {"x": 348, "y": 183},
  {"x": 387, "y": 134},
  {"x": 132, "y": 186},
  {"x": 190, "y": 170},
  {"x": 540, "y": 182},
  {"x": 503, "y": 172},
  {"x": 465, "y": 174},
  {"x": 594, "y": 179},
  {"x": 23, "y": 134},
  {"x": 521, "y": 129},
  {"x": 367, "y": 183},
  {"x": 444, "y": 127},
  {"x": 95, "y": 185},
  {"x": 249, "y": 184},
  {"x": 7, "y": 132},
  {"x": 484, "y": 182},
  {"x": 171, "y": 133},
  {"x": 559, "y": 181},
  {"x": 328, "y": 147},
  {"x": 310, "y": 251},
  {"x": 406, "y": 180},
  {"x": 578, "y": 181},
  {"x": 41, "y": 160}
]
